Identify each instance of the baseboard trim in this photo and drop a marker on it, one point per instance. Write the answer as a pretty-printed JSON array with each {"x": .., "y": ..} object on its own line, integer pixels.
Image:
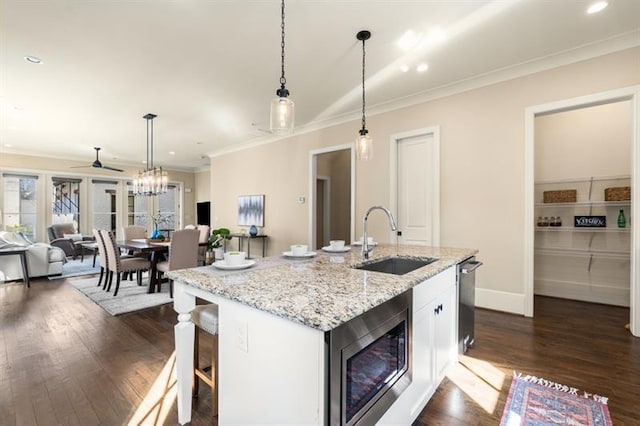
[{"x": 500, "y": 301}]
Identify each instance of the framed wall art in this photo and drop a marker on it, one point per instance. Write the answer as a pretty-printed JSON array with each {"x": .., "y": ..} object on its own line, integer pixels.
[{"x": 251, "y": 210}]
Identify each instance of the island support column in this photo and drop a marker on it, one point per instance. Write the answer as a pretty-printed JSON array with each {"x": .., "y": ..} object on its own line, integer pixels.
[{"x": 183, "y": 304}]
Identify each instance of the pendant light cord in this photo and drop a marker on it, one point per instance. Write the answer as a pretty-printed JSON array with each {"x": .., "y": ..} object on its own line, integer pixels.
[
  {"x": 364, "y": 122},
  {"x": 283, "y": 80}
]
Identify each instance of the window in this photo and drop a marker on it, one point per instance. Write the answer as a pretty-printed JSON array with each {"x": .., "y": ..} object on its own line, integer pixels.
[
  {"x": 66, "y": 201},
  {"x": 137, "y": 209},
  {"x": 167, "y": 206},
  {"x": 104, "y": 204},
  {"x": 20, "y": 204}
]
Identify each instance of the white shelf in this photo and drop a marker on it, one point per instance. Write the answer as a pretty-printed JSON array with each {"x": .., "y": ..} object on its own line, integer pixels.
[
  {"x": 612, "y": 254},
  {"x": 583, "y": 180},
  {"x": 587, "y": 204},
  {"x": 574, "y": 229}
]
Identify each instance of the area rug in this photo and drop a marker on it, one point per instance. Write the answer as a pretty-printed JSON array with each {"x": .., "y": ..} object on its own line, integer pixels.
[
  {"x": 534, "y": 401},
  {"x": 130, "y": 298},
  {"x": 75, "y": 268}
]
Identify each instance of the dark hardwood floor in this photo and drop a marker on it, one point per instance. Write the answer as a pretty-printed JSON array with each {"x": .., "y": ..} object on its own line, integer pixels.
[{"x": 65, "y": 361}]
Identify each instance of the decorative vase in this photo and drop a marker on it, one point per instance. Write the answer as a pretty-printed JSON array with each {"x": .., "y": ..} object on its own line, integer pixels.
[
  {"x": 156, "y": 233},
  {"x": 218, "y": 253},
  {"x": 253, "y": 231}
]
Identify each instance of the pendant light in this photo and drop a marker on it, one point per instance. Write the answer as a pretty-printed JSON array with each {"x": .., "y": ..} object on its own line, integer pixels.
[
  {"x": 151, "y": 181},
  {"x": 282, "y": 111},
  {"x": 364, "y": 144}
]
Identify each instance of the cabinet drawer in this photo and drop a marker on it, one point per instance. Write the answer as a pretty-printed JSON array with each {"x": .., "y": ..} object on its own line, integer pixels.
[{"x": 428, "y": 290}]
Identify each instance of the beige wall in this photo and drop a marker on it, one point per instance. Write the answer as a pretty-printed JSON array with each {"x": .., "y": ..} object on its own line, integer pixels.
[
  {"x": 482, "y": 165},
  {"x": 61, "y": 167},
  {"x": 202, "y": 186},
  {"x": 586, "y": 142}
]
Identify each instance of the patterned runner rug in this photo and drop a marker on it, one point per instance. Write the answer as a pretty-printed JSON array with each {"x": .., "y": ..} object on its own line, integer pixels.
[{"x": 534, "y": 401}]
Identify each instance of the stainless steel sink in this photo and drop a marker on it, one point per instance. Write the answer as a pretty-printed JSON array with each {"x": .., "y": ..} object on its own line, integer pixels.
[{"x": 396, "y": 265}]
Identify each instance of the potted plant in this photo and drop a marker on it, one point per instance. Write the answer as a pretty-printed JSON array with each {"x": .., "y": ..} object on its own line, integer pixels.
[{"x": 216, "y": 240}]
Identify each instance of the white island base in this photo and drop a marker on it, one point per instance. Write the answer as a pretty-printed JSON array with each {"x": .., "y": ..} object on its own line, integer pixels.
[{"x": 272, "y": 371}]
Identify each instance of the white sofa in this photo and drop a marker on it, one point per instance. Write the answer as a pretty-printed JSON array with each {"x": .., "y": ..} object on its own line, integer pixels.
[{"x": 42, "y": 259}]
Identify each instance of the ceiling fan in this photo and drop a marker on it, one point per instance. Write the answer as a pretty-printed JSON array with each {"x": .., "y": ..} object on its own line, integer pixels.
[{"x": 97, "y": 164}]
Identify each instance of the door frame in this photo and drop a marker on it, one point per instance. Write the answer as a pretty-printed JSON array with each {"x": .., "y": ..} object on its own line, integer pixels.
[
  {"x": 631, "y": 93},
  {"x": 394, "y": 140},
  {"x": 312, "y": 188},
  {"x": 326, "y": 230}
]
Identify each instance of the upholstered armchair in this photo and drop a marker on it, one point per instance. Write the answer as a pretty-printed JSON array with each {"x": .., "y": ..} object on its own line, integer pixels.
[
  {"x": 66, "y": 237},
  {"x": 42, "y": 258}
]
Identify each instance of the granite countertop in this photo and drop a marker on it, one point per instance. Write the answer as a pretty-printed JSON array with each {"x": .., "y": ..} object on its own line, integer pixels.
[{"x": 322, "y": 292}]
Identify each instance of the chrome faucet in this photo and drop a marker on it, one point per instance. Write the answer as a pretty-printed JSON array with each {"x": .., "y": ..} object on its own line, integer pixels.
[{"x": 365, "y": 245}]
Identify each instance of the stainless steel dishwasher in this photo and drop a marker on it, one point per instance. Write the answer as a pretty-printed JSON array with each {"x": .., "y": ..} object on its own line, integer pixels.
[{"x": 466, "y": 302}]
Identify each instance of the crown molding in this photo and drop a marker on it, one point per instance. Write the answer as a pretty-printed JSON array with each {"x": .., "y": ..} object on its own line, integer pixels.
[{"x": 618, "y": 43}]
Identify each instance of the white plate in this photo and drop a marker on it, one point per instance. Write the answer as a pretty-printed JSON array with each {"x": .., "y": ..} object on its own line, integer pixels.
[
  {"x": 342, "y": 250},
  {"x": 359, "y": 243},
  {"x": 307, "y": 254},
  {"x": 221, "y": 264}
]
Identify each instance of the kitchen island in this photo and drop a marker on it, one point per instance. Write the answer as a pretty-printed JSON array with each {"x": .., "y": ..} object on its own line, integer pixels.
[{"x": 274, "y": 323}]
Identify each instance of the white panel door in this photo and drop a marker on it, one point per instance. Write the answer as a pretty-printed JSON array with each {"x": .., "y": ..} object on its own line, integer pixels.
[{"x": 415, "y": 190}]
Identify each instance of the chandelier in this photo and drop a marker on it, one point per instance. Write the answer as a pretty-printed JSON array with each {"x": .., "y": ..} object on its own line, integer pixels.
[
  {"x": 282, "y": 111},
  {"x": 364, "y": 144},
  {"x": 152, "y": 180}
]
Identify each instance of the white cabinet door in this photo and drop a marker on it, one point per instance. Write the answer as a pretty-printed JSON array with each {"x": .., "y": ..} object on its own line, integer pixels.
[
  {"x": 423, "y": 351},
  {"x": 444, "y": 310}
]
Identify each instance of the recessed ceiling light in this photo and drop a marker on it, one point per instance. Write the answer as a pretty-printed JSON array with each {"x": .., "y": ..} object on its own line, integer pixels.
[
  {"x": 422, "y": 67},
  {"x": 597, "y": 7},
  {"x": 409, "y": 40},
  {"x": 404, "y": 68},
  {"x": 172, "y": 153},
  {"x": 33, "y": 59},
  {"x": 8, "y": 145},
  {"x": 144, "y": 161}
]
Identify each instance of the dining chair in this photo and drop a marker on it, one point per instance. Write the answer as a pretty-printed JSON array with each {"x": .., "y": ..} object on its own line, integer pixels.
[
  {"x": 118, "y": 265},
  {"x": 205, "y": 318},
  {"x": 102, "y": 254},
  {"x": 134, "y": 232},
  {"x": 183, "y": 253},
  {"x": 204, "y": 238}
]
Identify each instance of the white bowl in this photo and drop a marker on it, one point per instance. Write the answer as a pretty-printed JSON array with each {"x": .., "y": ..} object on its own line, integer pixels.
[
  {"x": 234, "y": 258},
  {"x": 336, "y": 244},
  {"x": 299, "y": 249}
]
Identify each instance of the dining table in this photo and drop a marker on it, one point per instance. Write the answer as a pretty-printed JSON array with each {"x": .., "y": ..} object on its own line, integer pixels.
[{"x": 154, "y": 248}]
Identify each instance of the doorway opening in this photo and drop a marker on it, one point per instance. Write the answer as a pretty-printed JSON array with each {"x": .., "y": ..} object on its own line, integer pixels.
[
  {"x": 630, "y": 94},
  {"x": 332, "y": 200}
]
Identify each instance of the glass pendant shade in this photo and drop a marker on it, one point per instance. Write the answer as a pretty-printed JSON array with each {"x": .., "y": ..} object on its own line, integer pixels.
[
  {"x": 282, "y": 115},
  {"x": 364, "y": 146}
]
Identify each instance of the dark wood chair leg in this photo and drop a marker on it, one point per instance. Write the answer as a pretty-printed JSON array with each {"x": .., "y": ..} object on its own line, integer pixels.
[
  {"x": 171, "y": 289},
  {"x": 101, "y": 274},
  {"x": 115, "y": 293},
  {"x": 110, "y": 280}
]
